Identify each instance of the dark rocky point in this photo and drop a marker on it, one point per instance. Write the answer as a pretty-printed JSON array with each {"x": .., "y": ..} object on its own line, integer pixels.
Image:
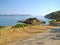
[{"x": 32, "y": 21}]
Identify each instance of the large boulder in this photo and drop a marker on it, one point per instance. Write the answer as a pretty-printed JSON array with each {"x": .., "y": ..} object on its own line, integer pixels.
[{"x": 32, "y": 21}]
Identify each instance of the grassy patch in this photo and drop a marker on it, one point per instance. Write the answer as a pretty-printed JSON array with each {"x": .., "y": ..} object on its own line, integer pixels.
[
  {"x": 20, "y": 25},
  {"x": 1, "y": 27}
]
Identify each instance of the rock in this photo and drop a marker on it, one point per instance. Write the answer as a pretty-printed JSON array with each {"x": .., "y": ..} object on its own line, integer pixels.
[{"x": 32, "y": 21}]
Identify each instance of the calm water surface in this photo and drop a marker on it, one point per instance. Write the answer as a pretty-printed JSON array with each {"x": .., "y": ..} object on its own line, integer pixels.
[{"x": 12, "y": 20}]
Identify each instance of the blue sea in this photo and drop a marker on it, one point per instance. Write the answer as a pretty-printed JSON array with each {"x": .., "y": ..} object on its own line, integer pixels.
[{"x": 12, "y": 20}]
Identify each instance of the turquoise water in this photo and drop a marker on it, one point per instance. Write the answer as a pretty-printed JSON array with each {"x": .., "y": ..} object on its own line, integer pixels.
[{"x": 12, "y": 20}]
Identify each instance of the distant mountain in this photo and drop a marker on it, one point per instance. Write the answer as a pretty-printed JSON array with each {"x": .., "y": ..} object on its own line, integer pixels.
[
  {"x": 53, "y": 15},
  {"x": 14, "y": 15}
]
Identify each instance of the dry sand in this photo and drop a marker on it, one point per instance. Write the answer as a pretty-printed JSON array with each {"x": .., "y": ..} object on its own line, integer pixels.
[{"x": 13, "y": 36}]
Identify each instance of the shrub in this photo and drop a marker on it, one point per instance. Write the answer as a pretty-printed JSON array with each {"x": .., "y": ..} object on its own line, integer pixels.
[
  {"x": 51, "y": 22},
  {"x": 20, "y": 25},
  {"x": 1, "y": 27},
  {"x": 58, "y": 19},
  {"x": 55, "y": 22},
  {"x": 31, "y": 19}
]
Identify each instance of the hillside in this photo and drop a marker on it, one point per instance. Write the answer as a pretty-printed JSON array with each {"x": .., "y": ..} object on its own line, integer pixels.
[{"x": 53, "y": 15}]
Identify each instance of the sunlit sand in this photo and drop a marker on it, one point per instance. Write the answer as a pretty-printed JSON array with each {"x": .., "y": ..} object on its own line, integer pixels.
[{"x": 8, "y": 35}]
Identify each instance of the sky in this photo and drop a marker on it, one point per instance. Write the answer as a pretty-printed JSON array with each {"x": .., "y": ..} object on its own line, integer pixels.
[{"x": 32, "y": 7}]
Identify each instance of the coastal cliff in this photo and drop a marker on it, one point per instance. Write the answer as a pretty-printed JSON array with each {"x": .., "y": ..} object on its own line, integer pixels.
[
  {"x": 53, "y": 15},
  {"x": 56, "y": 18}
]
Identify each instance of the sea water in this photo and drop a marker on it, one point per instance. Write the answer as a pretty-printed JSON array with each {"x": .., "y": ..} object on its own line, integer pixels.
[{"x": 12, "y": 20}]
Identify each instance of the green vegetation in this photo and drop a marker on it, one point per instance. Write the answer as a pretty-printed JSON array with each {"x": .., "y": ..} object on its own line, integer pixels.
[
  {"x": 20, "y": 25},
  {"x": 1, "y": 27},
  {"x": 58, "y": 19},
  {"x": 53, "y": 15},
  {"x": 51, "y": 23},
  {"x": 55, "y": 22},
  {"x": 32, "y": 21}
]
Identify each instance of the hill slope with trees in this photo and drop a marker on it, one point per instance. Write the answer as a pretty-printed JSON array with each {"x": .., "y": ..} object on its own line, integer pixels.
[{"x": 53, "y": 15}]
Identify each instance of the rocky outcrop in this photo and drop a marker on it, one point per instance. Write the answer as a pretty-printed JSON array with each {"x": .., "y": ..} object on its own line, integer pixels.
[
  {"x": 32, "y": 21},
  {"x": 53, "y": 15}
]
